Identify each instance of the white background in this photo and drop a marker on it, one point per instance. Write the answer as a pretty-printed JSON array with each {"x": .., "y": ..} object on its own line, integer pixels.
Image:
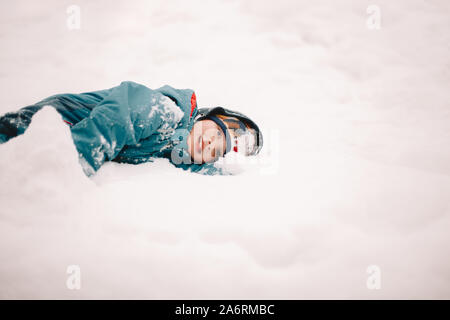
[{"x": 355, "y": 170}]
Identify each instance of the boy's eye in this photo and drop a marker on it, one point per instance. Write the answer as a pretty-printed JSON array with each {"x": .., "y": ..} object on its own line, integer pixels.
[{"x": 219, "y": 133}]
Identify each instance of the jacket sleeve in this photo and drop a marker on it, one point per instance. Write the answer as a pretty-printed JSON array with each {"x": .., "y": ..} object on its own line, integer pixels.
[
  {"x": 208, "y": 169},
  {"x": 123, "y": 117}
]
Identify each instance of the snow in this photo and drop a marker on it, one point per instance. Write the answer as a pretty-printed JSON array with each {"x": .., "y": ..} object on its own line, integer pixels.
[
  {"x": 355, "y": 170},
  {"x": 170, "y": 114}
]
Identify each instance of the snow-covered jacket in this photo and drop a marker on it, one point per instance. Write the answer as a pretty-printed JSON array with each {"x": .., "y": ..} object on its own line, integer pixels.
[{"x": 129, "y": 123}]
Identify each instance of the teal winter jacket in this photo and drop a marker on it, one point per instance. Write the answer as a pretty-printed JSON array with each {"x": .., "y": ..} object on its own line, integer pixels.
[{"x": 129, "y": 123}]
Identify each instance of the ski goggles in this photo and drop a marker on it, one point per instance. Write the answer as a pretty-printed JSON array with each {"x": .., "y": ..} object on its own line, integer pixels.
[{"x": 244, "y": 140}]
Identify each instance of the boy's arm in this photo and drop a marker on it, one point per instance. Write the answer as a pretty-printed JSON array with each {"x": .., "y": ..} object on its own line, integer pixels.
[{"x": 122, "y": 118}]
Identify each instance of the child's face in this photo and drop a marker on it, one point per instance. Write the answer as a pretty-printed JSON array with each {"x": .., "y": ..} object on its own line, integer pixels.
[{"x": 206, "y": 141}]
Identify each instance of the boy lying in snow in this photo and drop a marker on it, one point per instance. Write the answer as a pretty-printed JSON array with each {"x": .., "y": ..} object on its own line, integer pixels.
[{"x": 131, "y": 123}]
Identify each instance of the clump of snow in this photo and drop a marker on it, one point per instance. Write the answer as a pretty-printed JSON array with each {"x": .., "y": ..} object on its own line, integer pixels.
[
  {"x": 170, "y": 115},
  {"x": 238, "y": 163},
  {"x": 172, "y": 112}
]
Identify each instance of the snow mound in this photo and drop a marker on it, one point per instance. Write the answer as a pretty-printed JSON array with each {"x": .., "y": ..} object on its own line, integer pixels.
[{"x": 40, "y": 167}]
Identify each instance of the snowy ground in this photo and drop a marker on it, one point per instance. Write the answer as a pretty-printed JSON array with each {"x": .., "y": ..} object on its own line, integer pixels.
[{"x": 355, "y": 172}]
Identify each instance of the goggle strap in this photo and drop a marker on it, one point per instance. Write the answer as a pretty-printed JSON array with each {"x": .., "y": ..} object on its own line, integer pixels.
[{"x": 239, "y": 122}]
